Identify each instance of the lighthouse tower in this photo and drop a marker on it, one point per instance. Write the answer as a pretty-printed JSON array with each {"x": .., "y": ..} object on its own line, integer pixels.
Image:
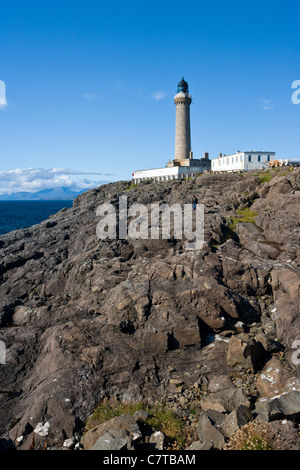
[
  {"x": 183, "y": 127},
  {"x": 184, "y": 165}
]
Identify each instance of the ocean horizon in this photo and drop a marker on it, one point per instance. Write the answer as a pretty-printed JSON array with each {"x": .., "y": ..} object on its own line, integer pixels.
[{"x": 16, "y": 215}]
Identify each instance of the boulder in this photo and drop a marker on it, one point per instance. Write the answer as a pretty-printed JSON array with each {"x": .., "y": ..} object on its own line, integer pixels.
[
  {"x": 141, "y": 415},
  {"x": 285, "y": 435},
  {"x": 207, "y": 432},
  {"x": 216, "y": 418},
  {"x": 272, "y": 380},
  {"x": 286, "y": 405},
  {"x": 243, "y": 352},
  {"x": 114, "y": 439},
  {"x": 155, "y": 343},
  {"x": 198, "y": 445},
  {"x": 219, "y": 382},
  {"x": 268, "y": 344},
  {"x": 225, "y": 401},
  {"x": 288, "y": 281},
  {"x": 187, "y": 336},
  {"x": 286, "y": 288},
  {"x": 124, "y": 422},
  {"x": 237, "y": 418},
  {"x": 158, "y": 440}
]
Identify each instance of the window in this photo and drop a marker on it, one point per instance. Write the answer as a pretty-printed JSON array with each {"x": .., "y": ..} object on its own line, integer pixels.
[
  {"x": 227, "y": 161},
  {"x": 236, "y": 159},
  {"x": 232, "y": 160},
  {"x": 241, "y": 158},
  {"x": 268, "y": 158},
  {"x": 258, "y": 158},
  {"x": 249, "y": 158}
]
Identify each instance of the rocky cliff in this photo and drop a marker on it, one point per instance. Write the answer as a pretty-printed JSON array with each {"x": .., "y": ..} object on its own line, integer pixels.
[{"x": 85, "y": 320}]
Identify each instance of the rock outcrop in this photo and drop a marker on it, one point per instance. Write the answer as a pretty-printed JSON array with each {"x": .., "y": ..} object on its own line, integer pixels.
[{"x": 145, "y": 320}]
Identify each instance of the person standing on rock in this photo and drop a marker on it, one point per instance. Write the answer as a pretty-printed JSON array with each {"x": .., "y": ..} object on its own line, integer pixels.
[{"x": 194, "y": 202}]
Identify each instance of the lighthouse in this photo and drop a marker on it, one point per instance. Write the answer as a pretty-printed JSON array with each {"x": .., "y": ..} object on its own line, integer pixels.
[
  {"x": 183, "y": 165},
  {"x": 182, "y": 102}
]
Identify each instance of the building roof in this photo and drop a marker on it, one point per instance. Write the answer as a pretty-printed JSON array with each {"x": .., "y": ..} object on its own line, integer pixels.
[
  {"x": 182, "y": 86},
  {"x": 259, "y": 152}
]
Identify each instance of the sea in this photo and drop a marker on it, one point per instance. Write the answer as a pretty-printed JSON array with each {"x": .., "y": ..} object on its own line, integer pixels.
[{"x": 22, "y": 214}]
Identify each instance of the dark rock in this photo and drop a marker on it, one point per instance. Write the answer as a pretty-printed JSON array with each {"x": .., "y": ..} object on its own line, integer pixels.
[
  {"x": 219, "y": 382},
  {"x": 286, "y": 405},
  {"x": 243, "y": 352},
  {"x": 198, "y": 445},
  {"x": 237, "y": 418},
  {"x": 7, "y": 444},
  {"x": 286, "y": 288},
  {"x": 272, "y": 380},
  {"x": 216, "y": 417},
  {"x": 114, "y": 439},
  {"x": 285, "y": 435},
  {"x": 141, "y": 415},
  {"x": 208, "y": 433},
  {"x": 158, "y": 440},
  {"x": 121, "y": 423},
  {"x": 84, "y": 320},
  {"x": 225, "y": 400}
]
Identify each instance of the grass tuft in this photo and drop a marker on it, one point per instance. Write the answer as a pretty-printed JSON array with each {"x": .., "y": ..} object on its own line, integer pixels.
[{"x": 253, "y": 436}]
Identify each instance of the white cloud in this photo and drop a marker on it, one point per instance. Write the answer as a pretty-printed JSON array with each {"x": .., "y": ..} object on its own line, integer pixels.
[
  {"x": 91, "y": 96},
  {"x": 158, "y": 95},
  {"x": 36, "y": 179},
  {"x": 266, "y": 105},
  {"x": 3, "y": 101}
]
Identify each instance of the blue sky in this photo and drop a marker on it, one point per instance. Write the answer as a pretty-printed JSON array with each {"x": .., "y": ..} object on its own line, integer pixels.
[{"x": 90, "y": 84}]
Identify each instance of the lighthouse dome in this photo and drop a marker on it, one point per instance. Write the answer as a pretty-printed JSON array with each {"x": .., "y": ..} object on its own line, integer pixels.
[{"x": 182, "y": 86}]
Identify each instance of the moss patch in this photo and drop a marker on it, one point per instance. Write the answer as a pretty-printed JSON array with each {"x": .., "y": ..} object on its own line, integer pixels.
[
  {"x": 267, "y": 175},
  {"x": 161, "y": 418},
  {"x": 105, "y": 412},
  {"x": 245, "y": 215},
  {"x": 131, "y": 186}
]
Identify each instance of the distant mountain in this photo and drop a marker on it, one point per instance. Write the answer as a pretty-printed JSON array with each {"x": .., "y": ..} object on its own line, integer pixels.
[{"x": 45, "y": 194}]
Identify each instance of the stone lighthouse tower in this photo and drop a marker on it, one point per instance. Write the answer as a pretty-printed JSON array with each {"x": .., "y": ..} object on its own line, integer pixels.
[
  {"x": 183, "y": 128},
  {"x": 184, "y": 165}
]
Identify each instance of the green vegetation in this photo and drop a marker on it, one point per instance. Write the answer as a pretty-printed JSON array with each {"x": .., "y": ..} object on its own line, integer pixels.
[
  {"x": 265, "y": 177},
  {"x": 131, "y": 186},
  {"x": 243, "y": 215},
  {"x": 105, "y": 412},
  {"x": 252, "y": 436},
  {"x": 161, "y": 418},
  {"x": 255, "y": 443}
]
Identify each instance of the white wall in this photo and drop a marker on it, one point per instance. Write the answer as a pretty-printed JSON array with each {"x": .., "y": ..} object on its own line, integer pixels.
[
  {"x": 164, "y": 174},
  {"x": 255, "y": 164},
  {"x": 240, "y": 161}
]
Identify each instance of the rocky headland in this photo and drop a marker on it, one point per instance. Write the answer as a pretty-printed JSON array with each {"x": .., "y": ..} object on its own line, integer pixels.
[{"x": 211, "y": 334}]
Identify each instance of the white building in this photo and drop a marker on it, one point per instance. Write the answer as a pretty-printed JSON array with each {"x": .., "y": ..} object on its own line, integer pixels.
[
  {"x": 165, "y": 174},
  {"x": 242, "y": 161}
]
